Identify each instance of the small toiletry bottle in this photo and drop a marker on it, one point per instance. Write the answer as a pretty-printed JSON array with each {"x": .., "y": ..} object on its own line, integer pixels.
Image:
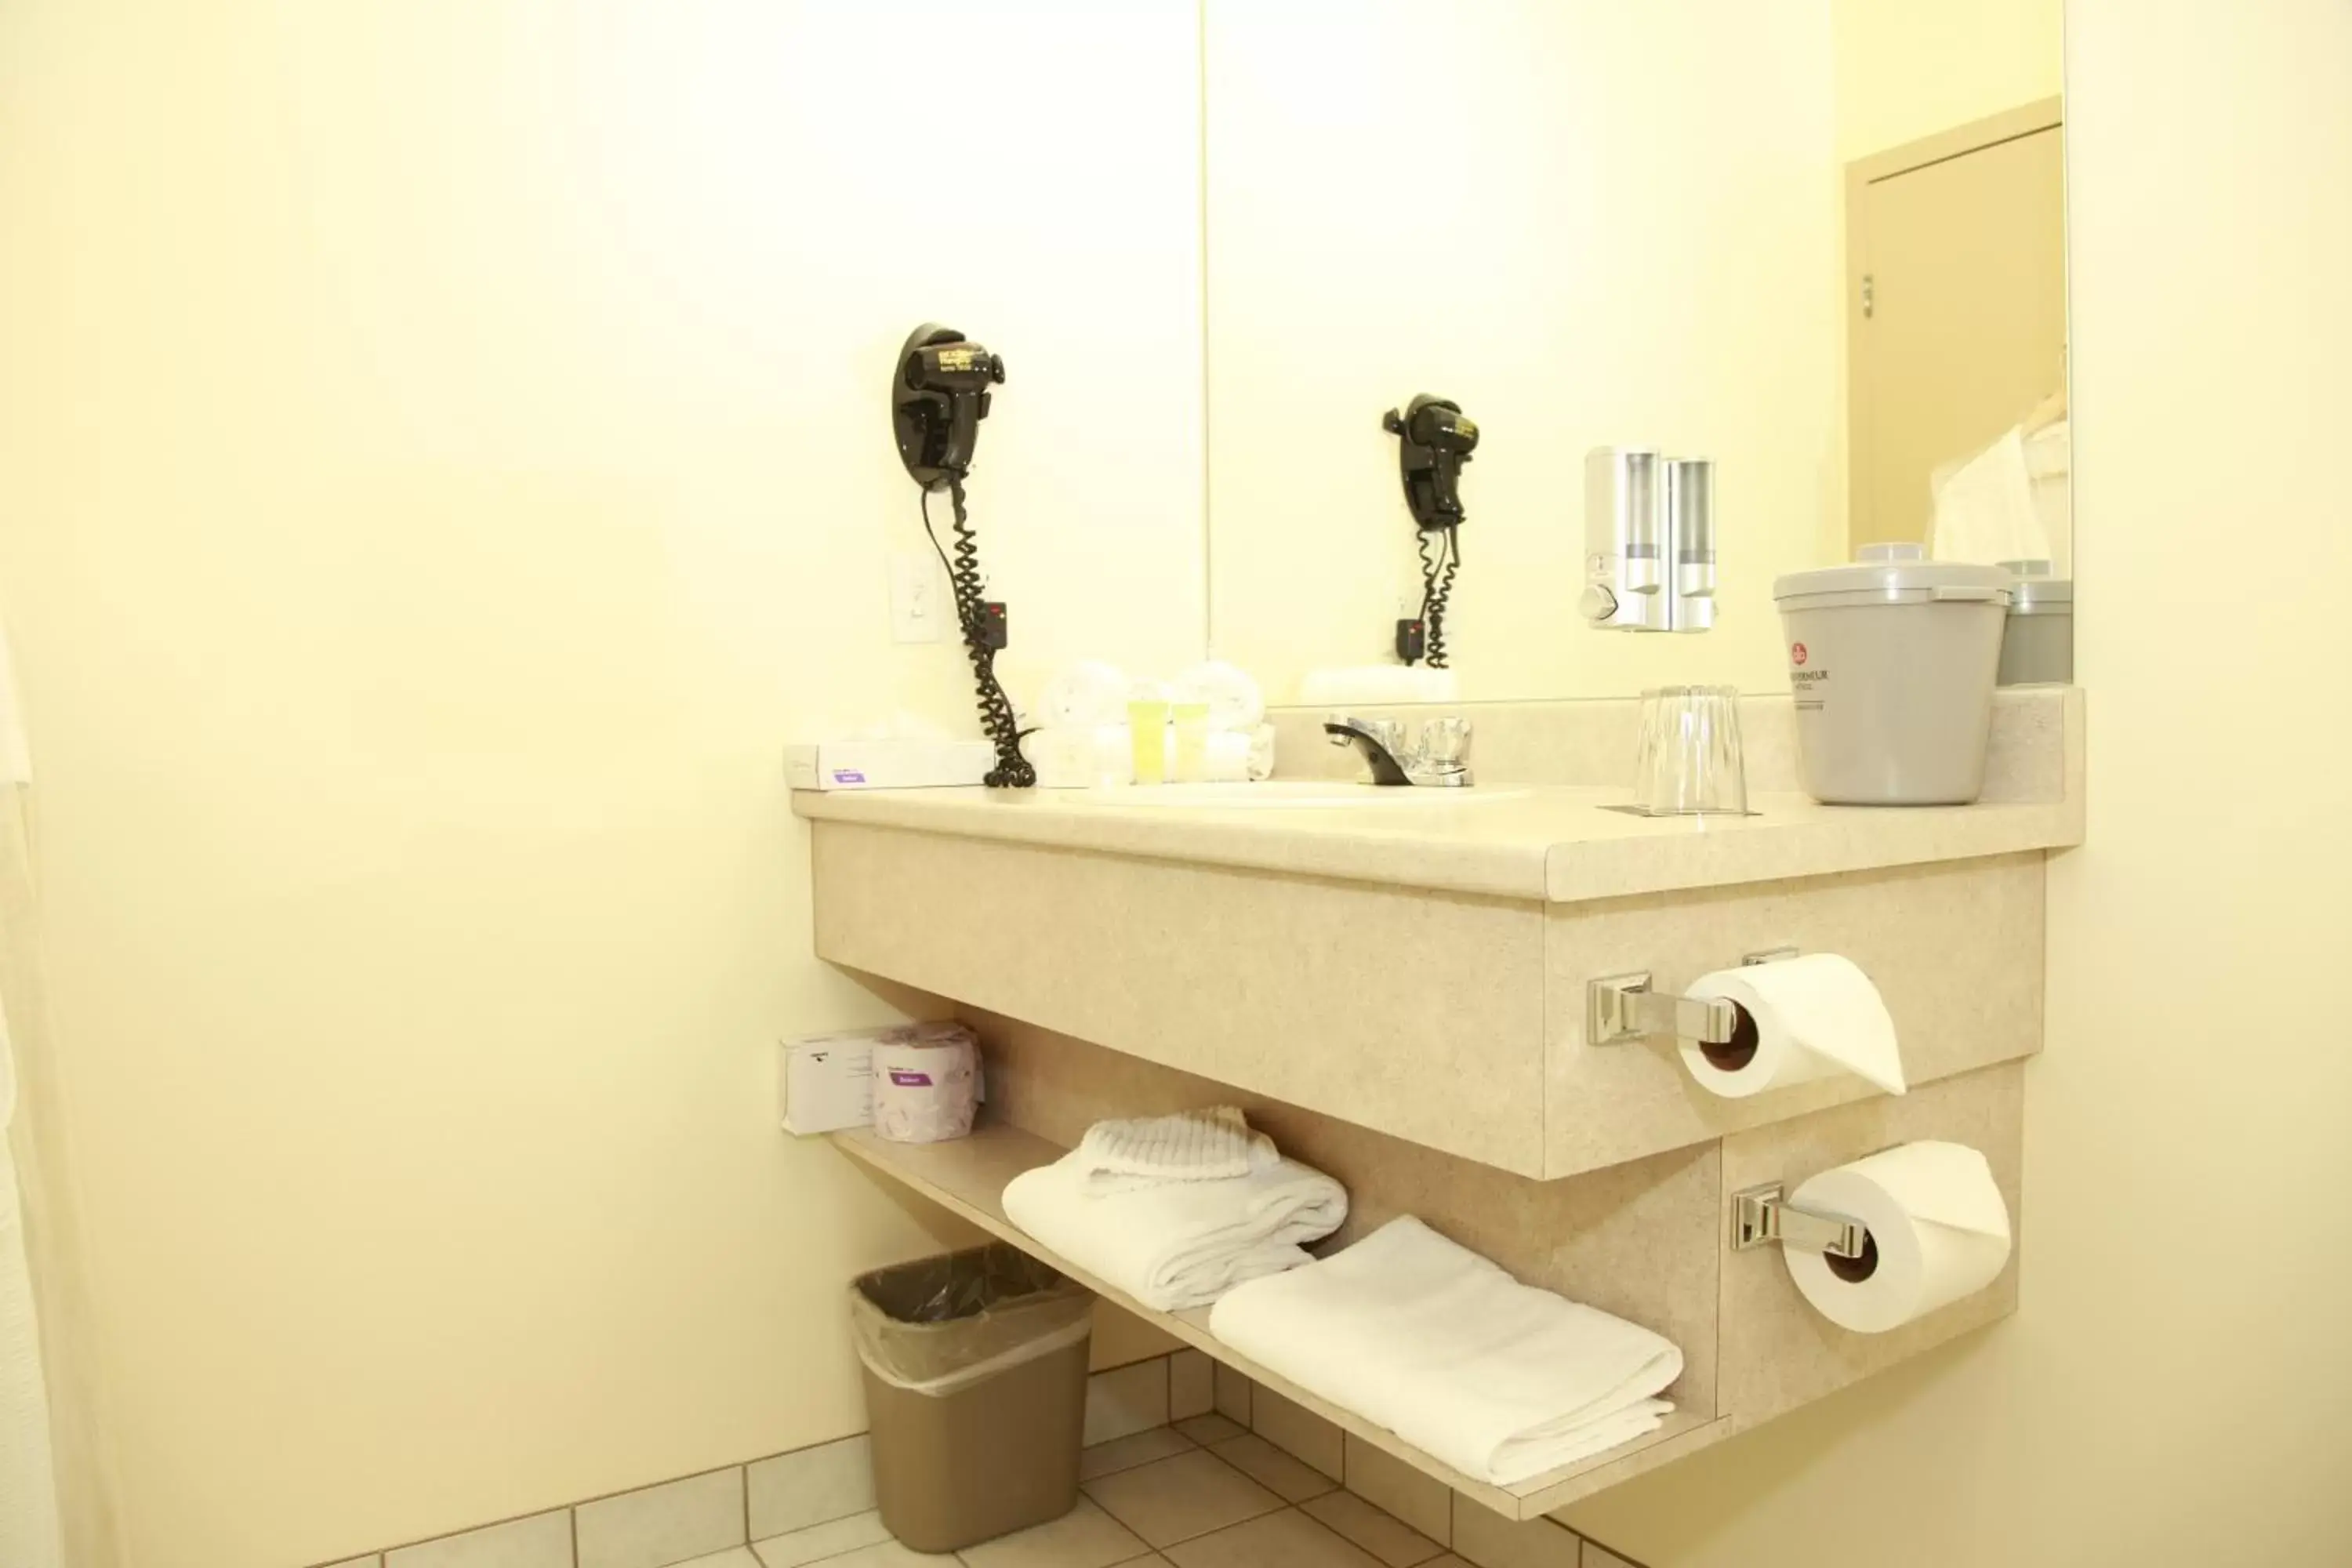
[
  {"x": 1147, "y": 730},
  {"x": 1191, "y": 742}
]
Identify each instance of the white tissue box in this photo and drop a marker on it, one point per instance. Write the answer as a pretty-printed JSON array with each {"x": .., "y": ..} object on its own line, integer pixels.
[
  {"x": 887, "y": 765},
  {"x": 825, "y": 1083}
]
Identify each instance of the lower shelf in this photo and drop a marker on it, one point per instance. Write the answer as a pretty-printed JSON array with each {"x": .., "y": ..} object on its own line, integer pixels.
[{"x": 968, "y": 1177}]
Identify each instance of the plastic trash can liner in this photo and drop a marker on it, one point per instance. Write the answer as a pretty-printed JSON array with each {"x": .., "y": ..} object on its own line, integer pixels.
[
  {"x": 975, "y": 1372},
  {"x": 945, "y": 1323}
]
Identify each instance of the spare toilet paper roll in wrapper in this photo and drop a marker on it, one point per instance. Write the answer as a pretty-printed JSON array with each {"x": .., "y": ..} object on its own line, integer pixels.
[
  {"x": 1814, "y": 1015},
  {"x": 1937, "y": 1225},
  {"x": 926, "y": 1083}
]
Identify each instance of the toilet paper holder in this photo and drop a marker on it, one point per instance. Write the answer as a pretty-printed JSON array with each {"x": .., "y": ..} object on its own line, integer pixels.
[
  {"x": 1761, "y": 1216},
  {"x": 1621, "y": 1008}
]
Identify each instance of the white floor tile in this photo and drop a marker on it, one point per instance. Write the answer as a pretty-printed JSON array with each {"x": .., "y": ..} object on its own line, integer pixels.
[
  {"x": 819, "y": 1541},
  {"x": 1086, "y": 1537},
  {"x": 1178, "y": 1499},
  {"x": 656, "y": 1526},
  {"x": 1386, "y": 1537},
  {"x": 1233, "y": 1393},
  {"x": 1126, "y": 1400},
  {"x": 890, "y": 1555},
  {"x": 1297, "y": 1430},
  {"x": 543, "y": 1541},
  {"x": 1395, "y": 1488},
  {"x": 1294, "y": 1480},
  {"x": 809, "y": 1486},
  {"x": 1126, "y": 1453},
  {"x": 1192, "y": 1385},
  {"x": 1285, "y": 1539}
]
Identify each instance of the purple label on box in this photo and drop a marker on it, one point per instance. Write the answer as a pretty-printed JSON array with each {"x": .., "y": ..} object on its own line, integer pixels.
[
  {"x": 906, "y": 1079},
  {"x": 848, "y": 775}
]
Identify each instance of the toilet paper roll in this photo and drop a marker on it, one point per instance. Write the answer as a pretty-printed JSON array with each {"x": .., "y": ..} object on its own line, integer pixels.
[
  {"x": 926, "y": 1084},
  {"x": 1813, "y": 1017},
  {"x": 1234, "y": 702},
  {"x": 1938, "y": 1231},
  {"x": 1083, "y": 694}
]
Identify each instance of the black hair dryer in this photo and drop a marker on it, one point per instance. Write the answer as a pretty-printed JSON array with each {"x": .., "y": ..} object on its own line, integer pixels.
[
  {"x": 938, "y": 396},
  {"x": 1435, "y": 439},
  {"x": 938, "y": 399}
]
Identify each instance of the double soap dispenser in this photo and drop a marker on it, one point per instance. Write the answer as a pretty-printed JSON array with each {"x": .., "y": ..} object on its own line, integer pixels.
[{"x": 1649, "y": 541}]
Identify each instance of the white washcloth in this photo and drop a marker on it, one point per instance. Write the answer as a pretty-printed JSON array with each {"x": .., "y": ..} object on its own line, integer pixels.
[
  {"x": 1173, "y": 1245},
  {"x": 1498, "y": 1379},
  {"x": 1209, "y": 1145}
]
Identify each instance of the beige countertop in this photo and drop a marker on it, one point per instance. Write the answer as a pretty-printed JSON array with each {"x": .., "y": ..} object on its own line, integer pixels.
[{"x": 1553, "y": 843}]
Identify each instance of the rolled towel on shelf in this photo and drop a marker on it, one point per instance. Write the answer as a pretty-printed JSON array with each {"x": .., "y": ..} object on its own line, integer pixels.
[
  {"x": 1500, "y": 1379},
  {"x": 1173, "y": 1245},
  {"x": 1215, "y": 1144}
]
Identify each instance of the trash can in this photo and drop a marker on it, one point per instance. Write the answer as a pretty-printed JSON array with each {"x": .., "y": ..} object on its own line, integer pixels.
[
  {"x": 1892, "y": 660},
  {"x": 976, "y": 1393}
]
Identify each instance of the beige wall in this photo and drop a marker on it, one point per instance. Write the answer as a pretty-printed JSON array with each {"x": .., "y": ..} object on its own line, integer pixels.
[
  {"x": 442, "y": 459},
  {"x": 2177, "y": 1387},
  {"x": 1908, "y": 68},
  {"x": 1588, "y": 225}
]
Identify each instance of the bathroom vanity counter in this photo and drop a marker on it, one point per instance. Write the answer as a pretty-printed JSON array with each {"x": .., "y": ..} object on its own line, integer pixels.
[
  {"x": 1552, "y": 844},
  {"x": 1422, "y": 966}
]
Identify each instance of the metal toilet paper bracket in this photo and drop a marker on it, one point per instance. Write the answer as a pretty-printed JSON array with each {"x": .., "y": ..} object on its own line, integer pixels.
[
  {"x": 1621, "y": 1008},
  {"x": 1761, "y": 1216}
]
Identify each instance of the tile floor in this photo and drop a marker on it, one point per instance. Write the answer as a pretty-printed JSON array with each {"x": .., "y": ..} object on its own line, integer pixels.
[
  {"x": 1240, "y": 1478},
  {"x": 1205, "y": 1493}
]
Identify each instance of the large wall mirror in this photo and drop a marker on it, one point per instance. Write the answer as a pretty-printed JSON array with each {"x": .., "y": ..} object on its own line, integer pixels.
[{"x": 1818, "y": 243}]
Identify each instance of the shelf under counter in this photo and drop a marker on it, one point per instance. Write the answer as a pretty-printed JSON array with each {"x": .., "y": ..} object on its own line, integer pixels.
[{"x": 968, "y": 1177}]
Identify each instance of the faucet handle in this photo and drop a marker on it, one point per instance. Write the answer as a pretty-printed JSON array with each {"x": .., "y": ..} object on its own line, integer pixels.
[{"x": 1445, "y": 742}]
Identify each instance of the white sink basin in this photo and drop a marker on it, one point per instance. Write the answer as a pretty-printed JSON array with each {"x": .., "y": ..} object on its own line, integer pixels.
[{"x": 1295, "y": 794}]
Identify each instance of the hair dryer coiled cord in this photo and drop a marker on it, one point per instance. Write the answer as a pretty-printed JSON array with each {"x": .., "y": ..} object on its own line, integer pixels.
[
  {"x": 997, "y": 721},
  {"x": 1437, "y": 588}
]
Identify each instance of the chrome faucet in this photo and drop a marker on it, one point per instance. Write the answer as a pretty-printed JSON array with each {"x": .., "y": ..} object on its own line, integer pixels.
[{"x": 1437, "y": 757}]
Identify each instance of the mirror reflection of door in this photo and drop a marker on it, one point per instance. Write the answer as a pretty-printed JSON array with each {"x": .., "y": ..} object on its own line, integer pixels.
[{"x": 1957, "y": 309}]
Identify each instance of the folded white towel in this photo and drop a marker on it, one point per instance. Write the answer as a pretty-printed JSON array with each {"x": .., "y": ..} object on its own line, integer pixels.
[
  {"x": 1498, "y": 1379},
  {"x": 1208, "y": 1145},
  {"x": 1173, "y": 1245}
]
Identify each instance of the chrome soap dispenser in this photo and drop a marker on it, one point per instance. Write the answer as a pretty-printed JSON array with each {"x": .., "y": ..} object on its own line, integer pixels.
[
  {"x": 1690, "y": 536},
  {"x": 1649, "y": 541}
]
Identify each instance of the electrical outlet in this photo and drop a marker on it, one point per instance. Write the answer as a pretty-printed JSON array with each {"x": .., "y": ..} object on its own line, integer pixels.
[{"x": 919, "y": 610}]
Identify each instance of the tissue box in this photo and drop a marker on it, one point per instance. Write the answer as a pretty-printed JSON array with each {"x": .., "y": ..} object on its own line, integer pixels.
[
  {"x": 887, "y": 765},
  {"x": 825, "y": 1083}
]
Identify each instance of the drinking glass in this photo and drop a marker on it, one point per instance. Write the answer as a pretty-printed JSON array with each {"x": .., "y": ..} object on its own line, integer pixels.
[{"x": 1689, "y": 760}]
